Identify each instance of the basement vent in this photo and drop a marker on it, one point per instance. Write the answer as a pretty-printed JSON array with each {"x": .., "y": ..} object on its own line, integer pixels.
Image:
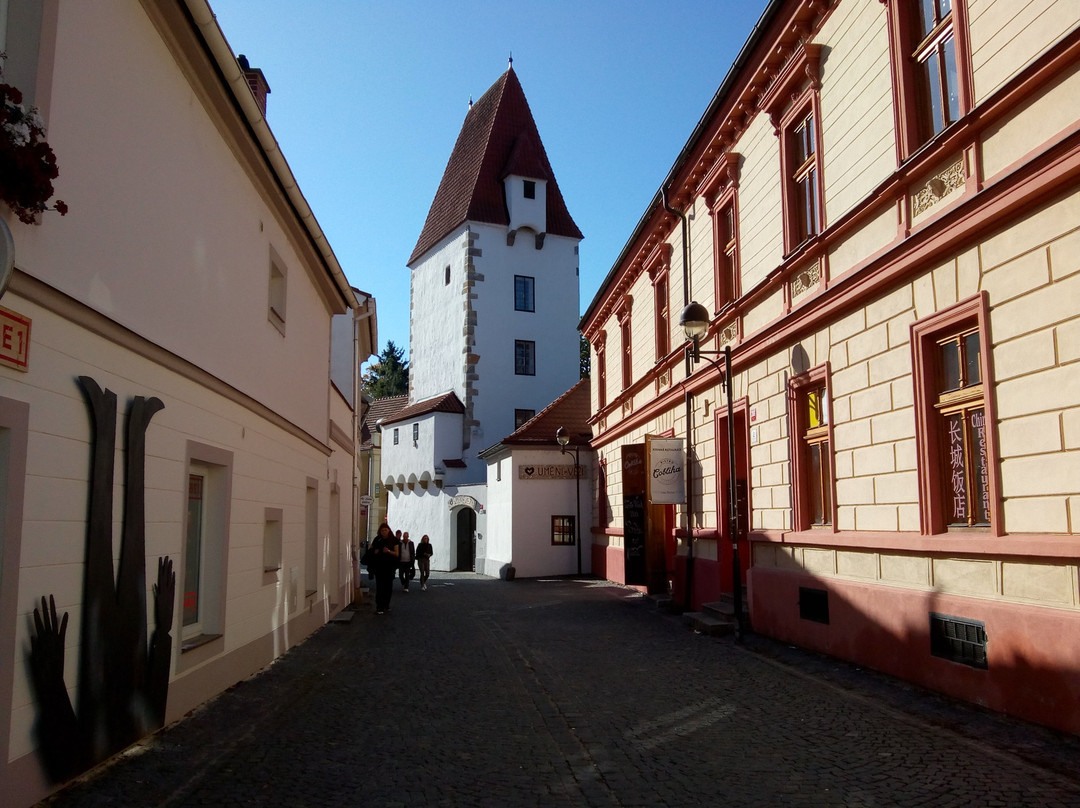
[
  {"x": 958, "y": 640},
  {"x": 814, "y": 604}
]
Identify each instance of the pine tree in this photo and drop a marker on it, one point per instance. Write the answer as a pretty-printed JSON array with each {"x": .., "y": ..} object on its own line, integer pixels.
[
  {"x": 389, "y": 376},
  {"x": 584, "y": 358}
]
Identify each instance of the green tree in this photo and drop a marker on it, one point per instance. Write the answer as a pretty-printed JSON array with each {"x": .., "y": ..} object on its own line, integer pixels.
[
  {"x": 389, "y": 376},
  {"x": 586, "y": 361}
]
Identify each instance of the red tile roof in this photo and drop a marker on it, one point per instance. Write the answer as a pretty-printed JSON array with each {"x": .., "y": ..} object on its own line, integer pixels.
[
  {"x": 447, "y": 402},
  {"x": 499, "y": 137},
  {"x": 379, "y": 409},
  {"x": 571, "y": 411}
]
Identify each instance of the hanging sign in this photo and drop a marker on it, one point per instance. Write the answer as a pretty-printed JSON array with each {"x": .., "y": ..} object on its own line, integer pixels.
[{"x": 666, "y": 470}]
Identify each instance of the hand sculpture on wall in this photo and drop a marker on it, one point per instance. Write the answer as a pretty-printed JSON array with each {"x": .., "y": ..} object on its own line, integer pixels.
[{"x": 123, "y": 680}]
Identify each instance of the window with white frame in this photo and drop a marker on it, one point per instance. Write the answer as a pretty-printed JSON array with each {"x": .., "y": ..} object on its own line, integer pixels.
[
  {"x": 205, "y": 546},
  {"x": 276, "y": 313}
]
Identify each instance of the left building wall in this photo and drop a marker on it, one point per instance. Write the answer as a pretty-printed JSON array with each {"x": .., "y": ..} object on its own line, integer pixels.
[{"x": 183, "y": 272}]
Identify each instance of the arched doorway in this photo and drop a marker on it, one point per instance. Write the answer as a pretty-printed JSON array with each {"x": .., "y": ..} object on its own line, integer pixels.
[{"x": 465, "y": 537}]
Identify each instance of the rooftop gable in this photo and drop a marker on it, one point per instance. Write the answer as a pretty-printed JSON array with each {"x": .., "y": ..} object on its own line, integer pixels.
[{"x": 498, "y": 138}]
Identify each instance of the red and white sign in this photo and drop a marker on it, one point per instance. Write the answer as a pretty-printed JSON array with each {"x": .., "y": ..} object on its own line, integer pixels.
[{"x": 14, "y": 339}]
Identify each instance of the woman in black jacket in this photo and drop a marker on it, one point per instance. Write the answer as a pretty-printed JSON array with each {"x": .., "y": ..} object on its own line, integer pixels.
[{"x": 385, "y": 550}]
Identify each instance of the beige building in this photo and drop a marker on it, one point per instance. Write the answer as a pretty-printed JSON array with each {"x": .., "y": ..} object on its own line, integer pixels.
[
  {"x": 166, "y": 393},
  {"x": 879, "y": 215}
]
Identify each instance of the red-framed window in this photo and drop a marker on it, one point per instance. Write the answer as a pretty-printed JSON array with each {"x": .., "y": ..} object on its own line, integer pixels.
[
  {"x": 600, "y": 349},
  {"x": 931, "y": 68},
  {"x": 954, "y": 415},
  {"x": 726, "y": 250},
  {"x": 813, "y": 473},
  {"x": 800, "y": 152},
  {"x": 662, "y": 318},
  {"x": 626, "y": 343}
]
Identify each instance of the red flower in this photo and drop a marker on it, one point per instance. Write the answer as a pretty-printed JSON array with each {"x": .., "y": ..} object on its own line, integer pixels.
[{"x": 27, "y": 163}]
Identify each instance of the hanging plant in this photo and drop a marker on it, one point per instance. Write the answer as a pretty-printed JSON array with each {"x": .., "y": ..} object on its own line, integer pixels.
[{"x": 27, "y": 163}]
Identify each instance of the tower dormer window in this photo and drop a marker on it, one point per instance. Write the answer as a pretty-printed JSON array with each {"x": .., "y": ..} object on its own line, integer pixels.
[{"x": 530, "y": 189}]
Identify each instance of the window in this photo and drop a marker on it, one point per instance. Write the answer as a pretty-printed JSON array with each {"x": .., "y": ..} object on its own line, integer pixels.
[
  {"x": 726, "y": 250},
  {"x": 446, "y": 276},
  {"x": 522, "y": 416},
  {"x": 415, "y": 434},
  {"x": 801, "y": 170},
  {"x": 601, "y": 371},
  {"x": 14, "y": 428},
  {"x": 277, "y": 295},
  {"x": 563, "y": 530},
  {"x": 524, "y": 357},
  {"x": 931, "y": 50},
  {"x": 960, "y": 404},
  {"x": 530, "y": 189},
  {"x": 523, "y": 293},
  {"x": 812, "y": 457},
  {"x": 956, "y": 447},
  {"x": 193, "y": 543},
  {"x": 627, "y": 359},
  {"x": 205, "y": 547},
  {"x": 936, "y": 91},
  {"x": 794, "y": 109},
  {"x": 272, "y": 541},
  {"x": 395, "y": 436},
  {"x": 311, "y": 538},
  {"x": 663, "y": 321}
]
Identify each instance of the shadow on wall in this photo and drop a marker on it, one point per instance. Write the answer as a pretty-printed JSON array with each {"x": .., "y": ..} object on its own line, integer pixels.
[{"x": 1002, "y": 656}]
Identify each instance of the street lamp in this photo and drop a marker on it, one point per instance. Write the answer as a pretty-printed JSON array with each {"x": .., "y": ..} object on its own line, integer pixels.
[
  {"x": 563, "y": 439},
  {"x": 695, "y": 323}
]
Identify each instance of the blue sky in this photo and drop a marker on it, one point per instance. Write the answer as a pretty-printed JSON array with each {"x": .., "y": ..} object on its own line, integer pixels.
[{"x": 367, "y": 99}]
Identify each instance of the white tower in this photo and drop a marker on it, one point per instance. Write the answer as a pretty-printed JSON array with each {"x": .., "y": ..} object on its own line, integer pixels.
[{"x": 494, "y": 315}]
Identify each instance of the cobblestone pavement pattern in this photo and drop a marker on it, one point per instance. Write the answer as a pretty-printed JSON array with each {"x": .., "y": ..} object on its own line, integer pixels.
[{"x": 569, "y": 692}]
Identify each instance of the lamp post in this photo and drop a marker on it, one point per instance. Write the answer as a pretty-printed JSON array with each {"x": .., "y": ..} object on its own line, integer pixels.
[
  {"x": 695, "y": 323},
  {"x": 563, "y": 439}
]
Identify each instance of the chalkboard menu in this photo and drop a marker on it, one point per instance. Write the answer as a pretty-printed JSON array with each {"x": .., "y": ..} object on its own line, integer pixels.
[{"x": 634, "y": 517}]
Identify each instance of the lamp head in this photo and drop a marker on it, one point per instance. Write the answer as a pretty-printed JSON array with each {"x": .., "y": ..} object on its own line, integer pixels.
[
  {"x": 561, "y": 437},
  {"x": 694, "y": 320}
]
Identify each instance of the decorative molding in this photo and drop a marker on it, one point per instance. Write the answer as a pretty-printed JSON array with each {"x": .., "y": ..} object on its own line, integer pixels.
[
  {"x": 729, "y": 334},
  {"x": 805, "y": 280},
  {"x": 938, "y": 187}
]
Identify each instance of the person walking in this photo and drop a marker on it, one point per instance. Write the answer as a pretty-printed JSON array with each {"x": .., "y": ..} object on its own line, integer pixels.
[
  {"x": 406, "y": 561},
  {"x": 386, "y": 549},
  {"x": 424, "y": 552}
]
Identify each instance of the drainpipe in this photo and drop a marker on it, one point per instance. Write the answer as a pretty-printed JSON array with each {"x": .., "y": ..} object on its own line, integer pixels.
[{"x": 688, "y": 400}]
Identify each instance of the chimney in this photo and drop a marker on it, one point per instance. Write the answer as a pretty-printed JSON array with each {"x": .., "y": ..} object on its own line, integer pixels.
[{"x": 256, "y": 82}]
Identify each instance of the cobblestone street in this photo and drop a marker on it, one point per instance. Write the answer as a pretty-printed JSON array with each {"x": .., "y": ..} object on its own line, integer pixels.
[{"x": 567, "y": 692}]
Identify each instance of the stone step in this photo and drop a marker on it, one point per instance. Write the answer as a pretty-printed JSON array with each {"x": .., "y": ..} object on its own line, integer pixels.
[
  {"x": 709, "y": 624},
  {"x": 725, "y": 607}
]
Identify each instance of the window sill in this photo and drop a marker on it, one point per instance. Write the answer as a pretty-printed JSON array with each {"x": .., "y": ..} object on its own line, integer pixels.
[{"x": 198, "y": 641}]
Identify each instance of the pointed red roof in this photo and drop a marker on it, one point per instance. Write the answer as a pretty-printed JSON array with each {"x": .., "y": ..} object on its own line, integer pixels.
[{"x": 499, "y": 137}]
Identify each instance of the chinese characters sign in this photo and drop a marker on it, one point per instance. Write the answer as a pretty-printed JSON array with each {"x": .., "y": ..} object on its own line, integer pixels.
[{"x": 968, "y": 474}]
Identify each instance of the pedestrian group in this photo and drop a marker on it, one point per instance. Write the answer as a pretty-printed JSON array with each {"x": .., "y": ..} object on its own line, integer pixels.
[{"x": 394, "y": 554}]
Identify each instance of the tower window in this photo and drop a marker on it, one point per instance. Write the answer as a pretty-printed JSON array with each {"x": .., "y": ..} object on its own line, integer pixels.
[
  {"x": 524, "y": 357},
  {"x": 530, "y": 189},
  {"x": 524, "y": 287},
  {"x": 446, "y": 276}
]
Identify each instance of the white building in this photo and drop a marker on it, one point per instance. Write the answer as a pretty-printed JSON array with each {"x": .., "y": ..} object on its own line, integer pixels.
[
  {"x": 494, "y": 323},
  {"x": 191, "y": 286}
]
